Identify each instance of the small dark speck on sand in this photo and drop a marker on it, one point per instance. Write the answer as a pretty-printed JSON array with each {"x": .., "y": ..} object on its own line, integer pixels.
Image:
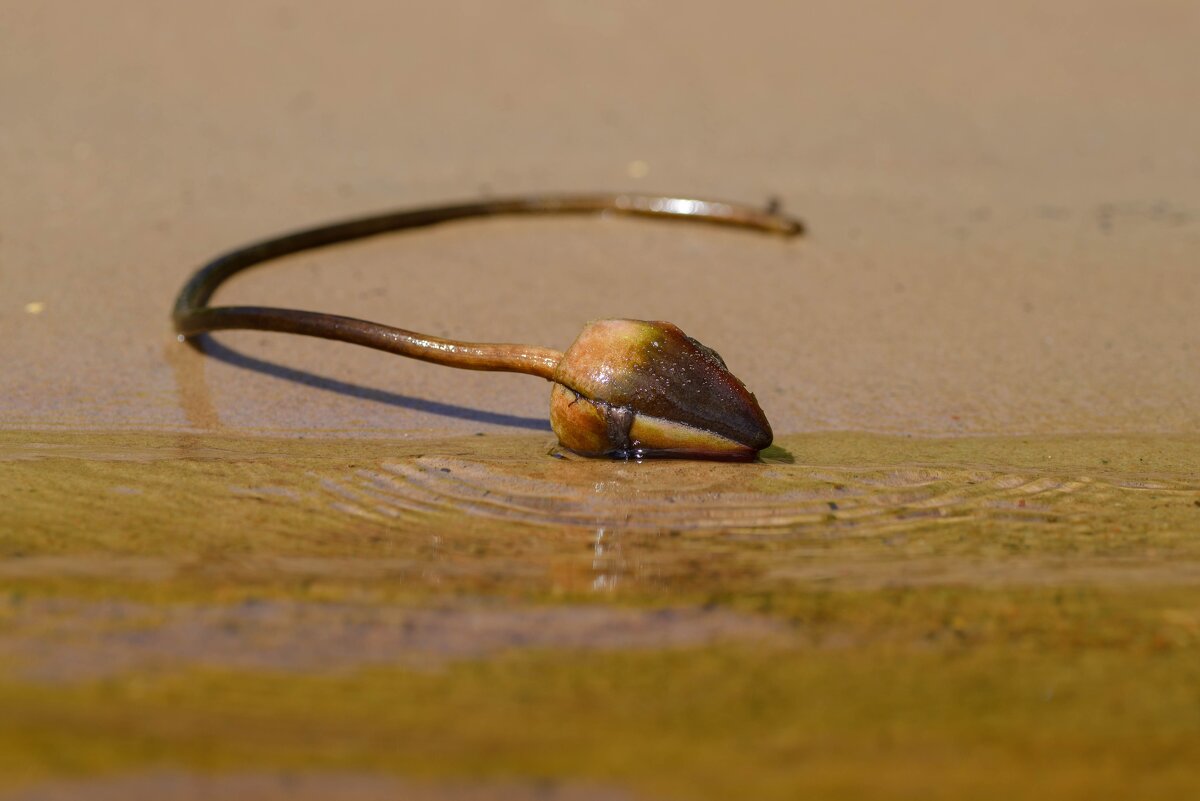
[
  {"x": 833, "y": 506},
  {"x": 1197, "y": 503},
  {"x": 445, "y": 469}
]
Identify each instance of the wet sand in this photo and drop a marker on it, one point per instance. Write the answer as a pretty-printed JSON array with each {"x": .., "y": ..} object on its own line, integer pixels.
[
  {"x": 1002, "y": 203},
  {"x": 293, "y": 568}
]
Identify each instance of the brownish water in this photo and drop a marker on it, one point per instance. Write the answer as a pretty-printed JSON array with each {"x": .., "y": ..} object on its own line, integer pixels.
[{"x": 986, "y": 609}]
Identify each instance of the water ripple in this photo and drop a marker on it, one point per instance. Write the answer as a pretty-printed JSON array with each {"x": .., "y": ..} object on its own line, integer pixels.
[{"x": 745, "y": 499}]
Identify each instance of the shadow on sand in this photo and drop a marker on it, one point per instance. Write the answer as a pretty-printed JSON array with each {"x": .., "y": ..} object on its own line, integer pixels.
[{"x": 223, "y": 353}]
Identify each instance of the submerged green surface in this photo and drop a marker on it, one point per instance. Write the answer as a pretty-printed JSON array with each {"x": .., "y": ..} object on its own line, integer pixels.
[{"x": 948, "y": 618}]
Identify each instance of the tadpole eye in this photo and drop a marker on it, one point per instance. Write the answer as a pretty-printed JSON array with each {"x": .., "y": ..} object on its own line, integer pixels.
[{"x": 636, "y": 388}]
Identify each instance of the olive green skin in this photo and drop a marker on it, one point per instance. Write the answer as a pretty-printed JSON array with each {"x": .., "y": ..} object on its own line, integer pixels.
[{"x": 632, "y": 388}]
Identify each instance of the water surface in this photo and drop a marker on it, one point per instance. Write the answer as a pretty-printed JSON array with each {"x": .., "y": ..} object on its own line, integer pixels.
[{"x": 989, "y": 611}]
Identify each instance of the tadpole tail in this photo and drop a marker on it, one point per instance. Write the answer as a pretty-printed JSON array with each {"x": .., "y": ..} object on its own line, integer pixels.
[{"x": 193, "y": 316}]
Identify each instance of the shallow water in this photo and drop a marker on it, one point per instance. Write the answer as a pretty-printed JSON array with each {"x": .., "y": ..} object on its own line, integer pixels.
[{"x": 920, "y": 605}]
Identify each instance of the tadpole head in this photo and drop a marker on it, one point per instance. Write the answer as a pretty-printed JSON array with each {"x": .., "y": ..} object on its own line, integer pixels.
[{"x": 630, "y": 388}]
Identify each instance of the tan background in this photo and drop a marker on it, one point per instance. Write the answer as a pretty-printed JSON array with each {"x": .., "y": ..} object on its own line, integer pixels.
[{"x": 1004, "y": 202}]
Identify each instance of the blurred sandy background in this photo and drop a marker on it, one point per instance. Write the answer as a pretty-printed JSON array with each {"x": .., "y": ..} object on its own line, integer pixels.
[{"x": 1003, "y": 198}]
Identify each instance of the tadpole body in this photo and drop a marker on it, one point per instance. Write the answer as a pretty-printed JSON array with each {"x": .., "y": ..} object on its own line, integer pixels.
[{"x": 624, "y": 388}]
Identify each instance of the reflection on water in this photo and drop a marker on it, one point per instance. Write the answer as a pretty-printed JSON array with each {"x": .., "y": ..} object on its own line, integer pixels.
[{"x": 607, "y": 562}]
